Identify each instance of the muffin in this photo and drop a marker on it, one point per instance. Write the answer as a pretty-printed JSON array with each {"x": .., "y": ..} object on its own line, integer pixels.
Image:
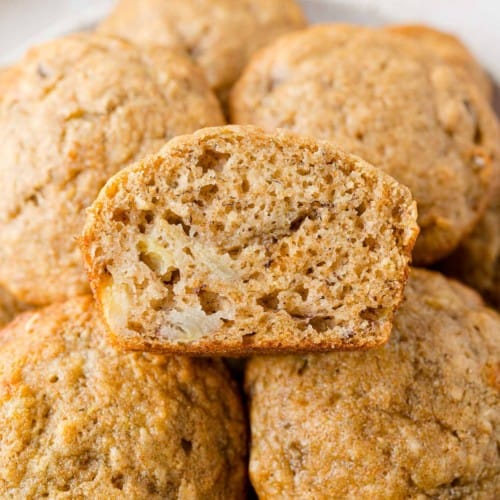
[
  {"x": 9, "y": 307},
  {"x": 394, "y": 103},
  {"x": 450, "y": 49},
  {"x": 417, "y": 418},
  {"x": 75, "y": 111},
  {"x": 83, "y": 420},
  {"x": 232, "y": 240},
  {"x": 6, "y": 76},
  {"x": 477, "y": 259},
  {"x": 219, "y": 35}
]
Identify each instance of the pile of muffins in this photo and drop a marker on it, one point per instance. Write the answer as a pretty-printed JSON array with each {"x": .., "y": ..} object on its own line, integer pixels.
[{"x": 201, "y": 180}]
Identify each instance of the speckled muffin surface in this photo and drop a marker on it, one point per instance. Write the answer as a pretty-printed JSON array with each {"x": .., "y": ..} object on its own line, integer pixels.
[
  {"x": 82, "y": 420},
  {"x": 234, "y": 240},
  {"x": 393, "y": 103},
  {"x": 418, "y": 418},
  {"x": 477, "y": 259},
  {"x": 220, "y": 35},
  {"x": 74, "y": 112},
  {"x": 450, "y": 49}
]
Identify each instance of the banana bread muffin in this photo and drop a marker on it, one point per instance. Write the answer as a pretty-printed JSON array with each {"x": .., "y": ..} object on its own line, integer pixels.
[
  {"x": 417, "y": 418},
  {"x": 9, "y": 307},
  {"x": 82, "y": 420},
  {"x": 220, "y": 35},
  {"x": 75, "y": 111},
  {"x": 394, "y": 103},
  {"x": 232, "y": 240},
  {"x": 449, "y": 48},
  {"x": 477, "y": 260}
]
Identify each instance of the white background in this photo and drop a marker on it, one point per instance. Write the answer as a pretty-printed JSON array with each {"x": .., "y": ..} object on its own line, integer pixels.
[{"x": 24, "y": 22}]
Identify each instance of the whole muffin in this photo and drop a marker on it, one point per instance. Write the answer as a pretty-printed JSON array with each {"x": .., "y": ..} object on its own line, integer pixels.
[
  {"x": 220, "y": 35},
  {"x": 76, "y": 111},
  {"x": 418, "y": 418},
  {"x": 477, "y": 259},
  {"x": 451, "y": 50},
  {"x": 83, "y": 420},
  {"x": 392, "y": 102}
]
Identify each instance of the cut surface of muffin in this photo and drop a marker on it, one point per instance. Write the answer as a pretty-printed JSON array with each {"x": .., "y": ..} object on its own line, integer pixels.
[{"x": 233, "y": 240}]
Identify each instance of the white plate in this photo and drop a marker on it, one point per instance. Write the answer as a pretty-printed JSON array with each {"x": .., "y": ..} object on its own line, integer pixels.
[{"x": 26, "y": 22}]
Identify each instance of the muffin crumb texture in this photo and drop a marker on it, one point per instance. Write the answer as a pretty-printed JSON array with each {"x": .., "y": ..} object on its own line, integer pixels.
[{"x": 233, "y": 240}]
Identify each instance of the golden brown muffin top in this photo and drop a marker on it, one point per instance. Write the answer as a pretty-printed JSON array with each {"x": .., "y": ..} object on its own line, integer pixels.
[
  {"x": 450, "y": 49},
  {"x": 392, "y": 102},
  {"x": 75, "y": 111},
  {"x": 476, "y": 261},
  {"x": 81, "y": 419},
  {"x": 417, "y": 418},
  {"x": 220, "y": 35},
  {"x": 9, "y": 306}
]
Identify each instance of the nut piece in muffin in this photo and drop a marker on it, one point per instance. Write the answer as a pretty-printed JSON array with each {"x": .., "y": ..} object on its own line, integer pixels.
[
  {"x": 83, "y": 420},
  {"x": 450, "y": 49},
  {"x": 394, "y": 103},
  {"x": 232, "y": 240},
  {"x": 75, "y": 111},
  {"x": 417, "y": 418},
  {"x": 220, "y": 35}
]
